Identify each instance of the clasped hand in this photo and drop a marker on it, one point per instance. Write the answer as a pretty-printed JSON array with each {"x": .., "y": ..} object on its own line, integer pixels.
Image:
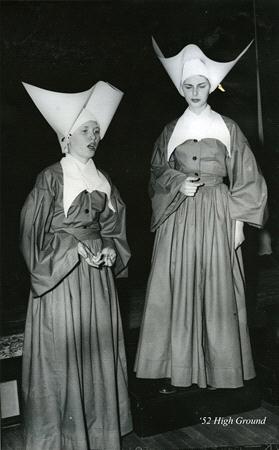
[
  {"x": 190, "y": 186},
  {"x": 106, "y": 257}
]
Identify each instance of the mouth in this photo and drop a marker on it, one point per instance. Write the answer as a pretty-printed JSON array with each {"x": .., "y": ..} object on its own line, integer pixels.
[
  {"x": 91, "y": 147},
  {"x": 195, "y": 100}
]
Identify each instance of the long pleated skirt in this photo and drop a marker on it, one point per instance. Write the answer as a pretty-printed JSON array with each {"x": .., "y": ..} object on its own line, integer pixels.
[
  {"x": 74, "y": 366},
  {"x": 194, "y": 327}
]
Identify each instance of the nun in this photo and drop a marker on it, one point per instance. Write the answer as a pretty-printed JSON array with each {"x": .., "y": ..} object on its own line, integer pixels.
[
  {"x": 73, "y": 240},
  {"x": 194, "y": 328}
]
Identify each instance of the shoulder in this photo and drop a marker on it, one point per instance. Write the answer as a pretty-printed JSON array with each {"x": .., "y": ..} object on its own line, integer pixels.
[
  {"x": 233, "y": 128},
  {"x": 166, "y": 132},
  {"x": 110, "y": 182},
  {"x": 106, "y": 175},
  {"x": 168, "y": 129},
  {"x": 231, "y": 124},
  {"x": 49, "y": 176}
]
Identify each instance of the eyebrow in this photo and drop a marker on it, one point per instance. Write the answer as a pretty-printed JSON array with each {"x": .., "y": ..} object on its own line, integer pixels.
[
  {"x": 198, "y": 84},
  {"x": 86, "y": 127}
]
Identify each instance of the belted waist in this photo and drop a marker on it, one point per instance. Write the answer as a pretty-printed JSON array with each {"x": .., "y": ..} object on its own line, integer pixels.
[
  {"x": 208, "y": 180},
  {"x": 81, "y": 234}
]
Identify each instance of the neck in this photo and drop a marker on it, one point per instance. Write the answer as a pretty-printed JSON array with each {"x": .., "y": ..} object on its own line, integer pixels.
[{"x": 198, "y": 109}]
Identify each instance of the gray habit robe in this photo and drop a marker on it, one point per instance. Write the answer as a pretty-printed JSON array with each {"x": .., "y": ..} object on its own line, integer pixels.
[
  {"x": 74, "y": 367},
  {"x": 194, "y": 327}
]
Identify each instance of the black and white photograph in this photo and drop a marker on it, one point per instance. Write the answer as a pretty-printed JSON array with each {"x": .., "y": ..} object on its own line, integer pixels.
[{"x": 139, "y": 225}]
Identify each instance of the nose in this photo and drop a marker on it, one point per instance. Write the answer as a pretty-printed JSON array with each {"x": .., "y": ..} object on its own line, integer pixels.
[
  {"x": 92, "y": 135},
  {"x": 195, "y": 90}
]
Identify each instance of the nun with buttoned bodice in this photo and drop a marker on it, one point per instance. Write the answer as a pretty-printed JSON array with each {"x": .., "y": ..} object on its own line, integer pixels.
[
  {"x": 194, "y": 328},
  {"x": 74, "y": 243}
]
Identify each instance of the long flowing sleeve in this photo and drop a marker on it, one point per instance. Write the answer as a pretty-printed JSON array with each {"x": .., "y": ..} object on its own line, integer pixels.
[
  {"x": 248, "y": 191},
  {"x": 113, "y": 232},
  {"x": 165, "y": 181},
  {"x": 49, "y": 256}
]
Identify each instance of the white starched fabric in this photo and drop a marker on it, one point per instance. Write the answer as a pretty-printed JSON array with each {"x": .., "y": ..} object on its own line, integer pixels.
[
  {"x": 78, "y": 177},
  {"x": 207, "y": 124},
  {"x": 66, "y": 112},
  {"x": 192, "y": 61}
]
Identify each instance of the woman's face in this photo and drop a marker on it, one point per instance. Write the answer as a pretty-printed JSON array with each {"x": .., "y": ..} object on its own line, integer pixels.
[
  {"x": 84, "y": 141},
  {"x": 196, "y": 90}
]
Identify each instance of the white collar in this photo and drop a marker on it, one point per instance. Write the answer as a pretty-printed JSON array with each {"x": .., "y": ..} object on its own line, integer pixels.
[
  {"x": 207, "y": 124},
  {"x": 78, "y": 177}
]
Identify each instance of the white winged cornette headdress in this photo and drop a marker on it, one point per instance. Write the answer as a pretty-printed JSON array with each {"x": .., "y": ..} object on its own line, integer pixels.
[
  {"x": 66, "y": 112},
  {"x": 192, "y": 61}
]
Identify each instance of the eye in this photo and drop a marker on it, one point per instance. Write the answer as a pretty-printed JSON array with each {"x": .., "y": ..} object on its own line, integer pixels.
[{"x": 187, "y": 86}]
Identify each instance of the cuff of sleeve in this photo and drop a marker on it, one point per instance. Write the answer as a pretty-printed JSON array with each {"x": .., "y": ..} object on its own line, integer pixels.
[{"x": 40, "y": 285}]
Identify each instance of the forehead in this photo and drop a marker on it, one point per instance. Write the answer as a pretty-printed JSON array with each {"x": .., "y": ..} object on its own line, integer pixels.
[
  {"x": 92, "y": 124},
  {"x": 195, "y": 79}
]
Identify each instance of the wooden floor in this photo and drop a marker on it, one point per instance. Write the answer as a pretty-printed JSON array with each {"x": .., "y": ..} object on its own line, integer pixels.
[
  {"x": 214, "y": 435},
  {"x": 233, "y": 436}
]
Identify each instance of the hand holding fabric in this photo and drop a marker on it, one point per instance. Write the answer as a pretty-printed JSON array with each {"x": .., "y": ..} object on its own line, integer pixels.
[
  {"x": 108, "y": 255},
  {"x": 90, "y": 258},
  {"x": 239, "y": 237},
  {"x": 190, "y": 186}
]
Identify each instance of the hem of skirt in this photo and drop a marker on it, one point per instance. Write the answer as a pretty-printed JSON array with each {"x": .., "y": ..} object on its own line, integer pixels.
[
  {"x": 63, "y": 441},
  {"x": 212, "y": 378},
  {"x": 126, "y": 431}
]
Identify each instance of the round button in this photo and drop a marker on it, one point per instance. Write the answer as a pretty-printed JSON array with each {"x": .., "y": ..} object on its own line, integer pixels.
[
  {"x": 84, "y": 226},
  {"x": 195, "y": 140},
  {"x": 86, "y": 211},
  {"x": 194, "y": 158}
]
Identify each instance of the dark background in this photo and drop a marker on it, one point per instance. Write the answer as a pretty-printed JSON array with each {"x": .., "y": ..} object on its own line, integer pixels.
[{"x": 69, "y": 46}]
